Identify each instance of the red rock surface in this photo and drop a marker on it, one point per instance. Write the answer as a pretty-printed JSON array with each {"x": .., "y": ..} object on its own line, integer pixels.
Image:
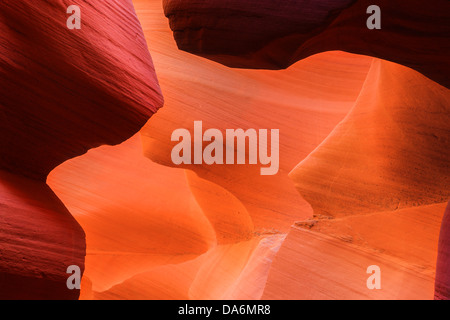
[
  {"x": 117, "y": 191},
  {"x": 267, "y": 34},
  {"x": 62, "y": 92},
  {"x": 65, "y": 91},
  {"x": 328, "y": 258},
  {"x": 39, "y": 239},
  {"x": 234, "y": 254},
  {"x": 443, "y": 262}
]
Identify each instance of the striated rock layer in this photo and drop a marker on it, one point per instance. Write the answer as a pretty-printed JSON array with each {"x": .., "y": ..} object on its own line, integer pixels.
[
  {"x": 201, "y": 232},
  {"x": 272, "y": 35},
  {"x": 390, "y": 152},
  {"x": 410, "y": 234},
  {"x": 312, "y": 265},
  {"x": 62, "y": 92},
  {"x": 327, "y": 258},
  {"x": 65, "y": 91},
  {"x": 212, "y": 232},
  {"x": 304, "y": 102},
  {"x": 39, "y": 239},
  {"x": 136, "y": 214}
]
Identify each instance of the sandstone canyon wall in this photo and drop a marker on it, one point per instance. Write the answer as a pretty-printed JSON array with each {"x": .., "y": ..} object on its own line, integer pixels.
[
  {"x": 87, "y": 178},
  {"x": 272, "y": 35},
  {"x": 442, "y": 284},
  {"x": 397, "y": 159},
  {"x": 62, "y": 92}
]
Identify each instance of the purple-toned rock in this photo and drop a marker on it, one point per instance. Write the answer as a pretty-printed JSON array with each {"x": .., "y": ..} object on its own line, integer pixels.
[{"x": 272, "y": 34}]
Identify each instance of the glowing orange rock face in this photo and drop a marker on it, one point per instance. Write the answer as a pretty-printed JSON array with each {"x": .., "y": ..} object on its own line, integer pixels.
[
  {"x": 235, "y": 214},
  {"x": 62, "y": 92},
  {"x": 116, "y": 190},
  {"x": 313, "y": 266},
  {"x": 363, "y": 140},
  {"x": 442, "y": 284},
  {"x": 410, "y": 234},
  {"x": 396, "y": 156},
  {"x": 305, "y": 102},
  {"x": 167, "y": 247},
  {"x": 329, "y": 258},
  {"x": 214, "y": 232},
  {"x": 71, "y": 90},
  {"x": 390, "y": 152},
  {"x": 39, "y": 239},
  {"x": 233, "y": 271},
  {"x": 270, "y": 35}
]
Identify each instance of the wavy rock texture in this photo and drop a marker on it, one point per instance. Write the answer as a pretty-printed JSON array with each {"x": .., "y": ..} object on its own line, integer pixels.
[
  {"x": 272, "y": 35},
  {"x": 442, "y": 275},
  {"x": 39, "y": 239},
  {"x": 314, "y": 266},
  {"x": 117, "y": 188},
  {"x": 409, "y": 234},
  {"x": 233, "y": 271},
  {"x": 390, "y": 152},
  {"x": 224, "y": 245},
  {"x": 62, "y": 92},
  {"x": 66, "y": 91},
  {"x": 117, "y": 191},
  {"x": 156, "y": 231},
  {"x": 328, "y": 258}
]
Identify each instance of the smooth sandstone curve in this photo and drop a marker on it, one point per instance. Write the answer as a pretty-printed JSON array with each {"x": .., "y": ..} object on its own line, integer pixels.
[{"x": 390, "y": 152}]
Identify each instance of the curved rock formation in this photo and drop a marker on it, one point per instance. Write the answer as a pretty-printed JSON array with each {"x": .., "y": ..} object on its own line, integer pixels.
[
  {"x": 328, "y": 258},
  {"x": 234, "y": 213},
  {"x": 136, "y": 214},
  {"x": 65, "y": 91},
  {"x": 169, "y": 247},
  {"x": 272, "y": 35},
  {"x": 39, "y": 240},
  {"x": 442, "y": 285},
  {"x": 304, "y": 102},
  {"x": 62, "y": 92},
  {"x": 232, "y": 271},
  {"x": 390, "y": 152},
  {"x": 159, "y": 231}
]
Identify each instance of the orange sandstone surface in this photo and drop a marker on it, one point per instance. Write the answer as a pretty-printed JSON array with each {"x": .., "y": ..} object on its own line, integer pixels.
[
  {"x": 328, "y": 258},
  {"x": 363, "y": 179},
  {"x": 390, "y": 152}
]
